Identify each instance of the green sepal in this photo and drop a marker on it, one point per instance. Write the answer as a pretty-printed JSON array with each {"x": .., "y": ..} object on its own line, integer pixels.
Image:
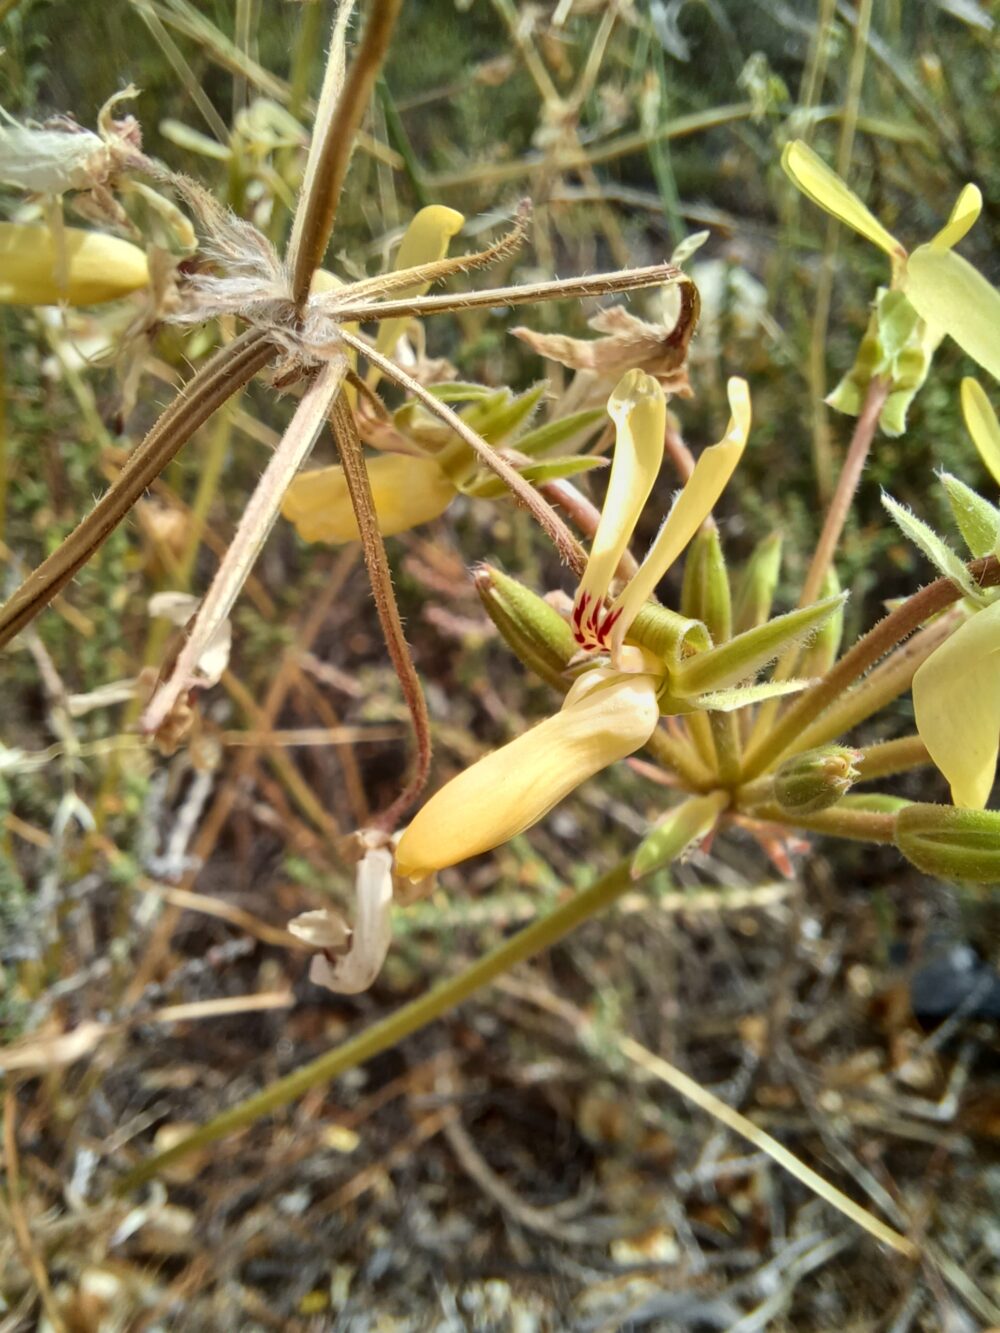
[
  {"x": 935, "y": 548},
  {"x": 668, "y": 635},
  {"x": 488, "y": 487},
  {"x": 705, "y": 594},
  {"x": 500, "y": 422},
  {"x": 554, "y": 433},
  {"x": 951, "y": 843},
  {"x": 725, "y": 701},
  {"x": 977, "y": 520},
  {"x": 535, "y": 631},
  {"x": 897, "y": 345},
  {"x": 687, "y": 823},
  {"x": 821, "y": 652},
  {"x": 755, "y": 590},
  {"x": 745, "y": 655}
]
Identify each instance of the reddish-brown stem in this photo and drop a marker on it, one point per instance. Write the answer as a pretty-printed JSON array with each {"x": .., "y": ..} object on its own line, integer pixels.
[
  {"x": 889, "y": 631},
  {"x": 345, "y": 433}
]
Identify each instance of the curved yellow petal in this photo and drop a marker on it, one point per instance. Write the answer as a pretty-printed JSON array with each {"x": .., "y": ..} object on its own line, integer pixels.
[
  {"x": 968, "y": 206},
  {"x": 823, "y": 186},
  {"x": 638, "y": 408},
  {"x": 953, "y": 297},
  {"x": 690, "y": 509},
  {"x": 606, "y": 716},
  {"x": 956, "y": 700},
  {"x": 98, "y": 267},
  {"x": 982, "y": 424},
  {"x": 425, "y": 241},
  {"x": 407, "y": 491}
]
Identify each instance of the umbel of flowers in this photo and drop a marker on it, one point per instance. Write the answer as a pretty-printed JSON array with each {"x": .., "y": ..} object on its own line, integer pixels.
[{"x": 635, "y": 661}]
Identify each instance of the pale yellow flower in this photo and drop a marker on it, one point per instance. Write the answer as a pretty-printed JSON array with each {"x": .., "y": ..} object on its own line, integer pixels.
[
  {"x": 981, "y": 422},
  {"x": 945, "y": 290},
  {"x": 605, "y": 716},
  {"x": 407, "y": 492},
  {"x": 77, "y": 267},
  {"x": 956, "y": 701}
]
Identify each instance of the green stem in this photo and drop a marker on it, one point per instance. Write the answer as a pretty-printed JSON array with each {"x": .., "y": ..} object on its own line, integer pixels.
[
  {"x": 889, "y": 757},
  {"x": 856, "y": 825},
  {"x": 382, "y": 1036}
]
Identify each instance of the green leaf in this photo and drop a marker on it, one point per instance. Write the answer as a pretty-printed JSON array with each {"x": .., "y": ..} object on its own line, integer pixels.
[
  {"x": 937, "y": 551},
  {"x": 488, "y": 487}
]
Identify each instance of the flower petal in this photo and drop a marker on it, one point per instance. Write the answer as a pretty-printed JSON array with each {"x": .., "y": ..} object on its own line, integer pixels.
[
  {"x": 372, "y": 934},
  {"x": 968, "y": 206},
  {"x": 981, "y": 422},
  {"x": 605, "y": 717},
  {"x": 97, "y": 267},
  {"x": 690, "y": 509},
  {"x": 818, "y": 182},
  {"x": 956, "y": 699},
  {"x": 426, "y": 240},
  {"x": 407, "y": 491},
  {"x": 954, "y": 297},
  {"x": 638, "y": 408}
]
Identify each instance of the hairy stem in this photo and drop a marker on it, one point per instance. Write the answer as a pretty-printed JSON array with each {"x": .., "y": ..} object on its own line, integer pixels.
[
  {"x": 256, "y": 522},
  {"x": 331, "y": 154},
  {"x": 889, "y": 757},
  {"x": 228, "y": 371},
  {"x": 387, "y": 1033},
  {"x": 562, "y": 289},
  {"x": 879, "y": 640},
  {"x": 345, "y": 433},
  {"x": 551, "y": 524}
]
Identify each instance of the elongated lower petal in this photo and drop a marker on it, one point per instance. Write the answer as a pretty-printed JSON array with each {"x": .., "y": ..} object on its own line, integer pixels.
[
  {"x": 606, "y": 716},
  {"x": 692, "y": 506},
  {"x": 956, "y": 299},
  {"x": 956, "y": 699},
  {"x": 96, "y": 267},
  {"x": 407, "y": 492},
  {"x": 639, "y": 410}
]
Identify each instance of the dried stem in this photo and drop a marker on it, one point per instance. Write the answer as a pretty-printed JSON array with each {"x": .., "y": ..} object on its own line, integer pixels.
[
  {"x": 889, "y": 631},
  {"x": 552, "y": 525},
  {"x": 228, "y": 371},
  {"x": 255, "y": 524},
  {"x": 331, "y": 152},
  {"x": 345, "y": 432},
  {"x": 562, "y": 289}
]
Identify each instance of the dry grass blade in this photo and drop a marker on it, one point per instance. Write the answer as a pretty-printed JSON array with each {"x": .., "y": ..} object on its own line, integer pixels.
[{"x": 229, "y": 370}]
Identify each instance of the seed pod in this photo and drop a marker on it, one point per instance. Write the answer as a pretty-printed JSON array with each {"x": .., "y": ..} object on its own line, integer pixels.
[
  {"x": 815, "y": 779},
  {"x": 951, "y": 843}
]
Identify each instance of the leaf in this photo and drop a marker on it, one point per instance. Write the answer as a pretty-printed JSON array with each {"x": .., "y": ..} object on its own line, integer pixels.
[
  {"x": 937, "y": 551},
  {"x": 489, "y": 487},
  {"x": 553, "y": 433}
]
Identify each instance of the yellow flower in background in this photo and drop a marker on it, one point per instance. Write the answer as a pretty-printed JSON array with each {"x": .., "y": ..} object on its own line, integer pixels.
[
  {"x": 945, "y": 290},
  {"x": 956, "y": 701},
  {"x": 612, "y": 710},
  {"x": 407, "y": 491},
  {"x": 76, "y": 267},
  {"x": 605, "y": 716}
]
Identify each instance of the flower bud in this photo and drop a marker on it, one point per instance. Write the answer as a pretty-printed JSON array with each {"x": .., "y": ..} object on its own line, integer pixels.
[
  {"x": 39, "y": 267},
  {"x": 532, "y": 629},
  {"x": 951, "y": 843},
  {"x": 815, "y": 779},
  {"x": 755, "y": 595},
  {"x": 705, "y": 595}
]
